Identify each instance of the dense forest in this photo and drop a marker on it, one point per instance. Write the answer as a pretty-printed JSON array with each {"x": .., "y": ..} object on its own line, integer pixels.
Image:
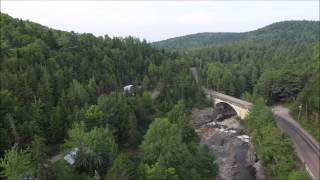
[
  {"x": 286, "y": 31},
  {"x": 200, "y": 39},
  {"x": 64, "y": 90},
  {"x": 279, "y": 62}
]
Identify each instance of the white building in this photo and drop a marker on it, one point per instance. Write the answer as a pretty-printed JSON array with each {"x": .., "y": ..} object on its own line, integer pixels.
[
  {"x": 71, "y": 156},
  {"x": 128, "y": 88}
]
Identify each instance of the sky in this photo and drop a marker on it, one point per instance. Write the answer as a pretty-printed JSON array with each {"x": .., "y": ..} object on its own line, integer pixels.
[{"x": 159, "y": 20}]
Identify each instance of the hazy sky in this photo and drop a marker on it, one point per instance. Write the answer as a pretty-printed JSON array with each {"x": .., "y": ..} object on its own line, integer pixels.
[{"x": 158, "y": 20}]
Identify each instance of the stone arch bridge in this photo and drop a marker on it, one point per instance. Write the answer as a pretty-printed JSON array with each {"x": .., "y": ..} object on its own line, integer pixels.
[{"x": 241, "y": 107}]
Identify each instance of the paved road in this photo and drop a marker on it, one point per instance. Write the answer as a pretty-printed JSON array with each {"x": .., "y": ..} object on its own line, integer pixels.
[
  {"x": 307, "y": 148},
  {"x": 194, "y": 73}
]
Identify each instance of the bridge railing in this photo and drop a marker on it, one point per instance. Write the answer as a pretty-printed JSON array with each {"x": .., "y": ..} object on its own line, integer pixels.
[{"x": 228, "y": 98}]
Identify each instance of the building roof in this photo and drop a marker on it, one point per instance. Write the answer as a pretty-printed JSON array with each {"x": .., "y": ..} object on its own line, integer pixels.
[{"x": 70, "y": 157}]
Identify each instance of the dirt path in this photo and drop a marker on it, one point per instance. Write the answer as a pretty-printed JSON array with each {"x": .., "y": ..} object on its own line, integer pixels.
[
  {"x": 155, "y": 93},
  {"x": 307, "y": 148},
  {"x": 56, "y": 158}
]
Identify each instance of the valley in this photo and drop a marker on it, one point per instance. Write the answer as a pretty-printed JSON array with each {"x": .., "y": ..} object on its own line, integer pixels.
[{"x": 191, "y": 107}]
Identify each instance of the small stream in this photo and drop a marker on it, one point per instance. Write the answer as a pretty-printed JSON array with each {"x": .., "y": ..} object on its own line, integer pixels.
[{"x": 230, "y": 143}]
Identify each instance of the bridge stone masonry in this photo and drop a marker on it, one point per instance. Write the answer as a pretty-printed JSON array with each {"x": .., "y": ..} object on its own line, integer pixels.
[{"x": 241, "y": 107}]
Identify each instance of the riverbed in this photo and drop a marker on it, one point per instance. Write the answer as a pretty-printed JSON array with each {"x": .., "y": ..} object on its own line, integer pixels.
[{"x": 230, "y": 143}]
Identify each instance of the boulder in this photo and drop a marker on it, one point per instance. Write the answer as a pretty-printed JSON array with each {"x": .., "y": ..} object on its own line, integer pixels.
[{"x": 260, "y": 171}]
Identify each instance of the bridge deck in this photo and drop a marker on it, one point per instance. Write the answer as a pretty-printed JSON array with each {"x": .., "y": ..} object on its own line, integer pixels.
[{"x": 228, "y": 98}]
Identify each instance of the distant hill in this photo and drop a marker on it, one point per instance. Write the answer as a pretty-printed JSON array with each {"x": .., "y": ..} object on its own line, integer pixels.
[
  {"x": 285, "y": 31},
  {"x": 198, "y": 39}
]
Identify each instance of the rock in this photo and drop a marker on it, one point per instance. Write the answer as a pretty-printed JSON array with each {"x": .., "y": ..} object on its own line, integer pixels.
[
  {"x": 241, "y": 130},
  {"x": 219, "y": 117},
  {"x": 244, "y": 138},
  {"x": 251, "y": 155},
  {"x": 235, "y": 156},
  {"x": 230, "y": 123},
  {"x": 211, "y": 124},
  {"x": 232, "y": 131},
  {"x": 260, "y": 171},
  {"x": 201, "y": 117}
]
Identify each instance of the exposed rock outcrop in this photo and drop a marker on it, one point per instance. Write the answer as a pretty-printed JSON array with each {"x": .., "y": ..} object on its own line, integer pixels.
[
  {"x": 260, "y": 171},
  {"x": 230, "y": 144},
  {"x": 251, "y": 155},
  {"x": 201, "y": 117}
]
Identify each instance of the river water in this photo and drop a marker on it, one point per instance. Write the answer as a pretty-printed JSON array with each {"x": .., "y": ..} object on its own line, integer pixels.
[{"x": 230, "y": 143}]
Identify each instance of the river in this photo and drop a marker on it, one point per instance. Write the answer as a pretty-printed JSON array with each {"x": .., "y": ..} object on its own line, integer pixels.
[{"x": 230, "y": 143}]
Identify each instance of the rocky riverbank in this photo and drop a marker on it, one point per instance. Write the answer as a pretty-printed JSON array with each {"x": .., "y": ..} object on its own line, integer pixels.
[{"x": 230, "y": 143}]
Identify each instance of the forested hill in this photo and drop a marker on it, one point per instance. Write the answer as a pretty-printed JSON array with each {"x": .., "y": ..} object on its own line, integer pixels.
[
  {"x": 199, "y": 39},
  {"x": 64, "y": 89},
  {"x": 287, "y": 31},
  {"x": 279, "y": 62}
]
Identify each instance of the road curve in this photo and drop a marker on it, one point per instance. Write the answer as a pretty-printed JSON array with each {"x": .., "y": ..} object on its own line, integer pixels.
[{"x": 307, "y": 148}]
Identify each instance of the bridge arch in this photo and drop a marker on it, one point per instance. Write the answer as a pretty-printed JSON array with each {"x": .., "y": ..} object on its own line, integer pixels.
[
  {"x": 225, "y": 110},
  {"x": 240, "y": 106},
  {"x": 240, "y": 112}
]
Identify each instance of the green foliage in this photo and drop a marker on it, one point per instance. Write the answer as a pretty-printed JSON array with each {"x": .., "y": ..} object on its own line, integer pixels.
[
  {"x": 157, "y": 172},
  {"x": 279, "y": 86},
  {"x": 170, "y": 145},
  {"x": 53, "y": 79},
  {"x": 199, "y": 39},
  {"x": 147, "y": 102},
  {"x": 163, "y": 140},
  {"x": 7, "y": 103},
  {"x": 38, "y": 121},
  {"x": 17, "y": 164},
  {"x": 179, "y": 116},
  {"x": 279, "y": 62},
  {"x": 298, "y": 175},
  {"x": 97, "y": 148},
  {"x": 116, "y": 112},
  {"x": 122, "y": 168},
  {"x": 38, "y": 151},
  {"x": 8, "y": 107},
  {"x": 272, "y": 147},
  {"x": 275, "y": 66},
  {"x": 310, "y": 95},
  {"x": 93, "y": 116},
  {"x": 205, "y": 164},
  {"x": 283, "y": 32},
  {"x": 308, "y": 100},
  {"x": 77, "y": 94},
  {"x": 61, "y": 170}
]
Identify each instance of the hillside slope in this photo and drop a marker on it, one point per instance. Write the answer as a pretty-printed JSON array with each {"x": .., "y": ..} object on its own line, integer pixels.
[
  {"x": 198, "y": 39},
  {"x": 289, "y": 31}
]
